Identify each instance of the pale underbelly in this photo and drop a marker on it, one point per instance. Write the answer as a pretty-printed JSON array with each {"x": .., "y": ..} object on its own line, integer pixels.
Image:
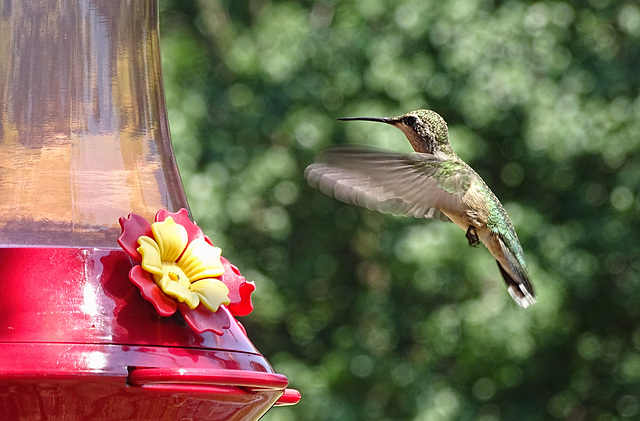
[
  {"x": 463, "y": 221},
  {"x": 489, "y": 239}
]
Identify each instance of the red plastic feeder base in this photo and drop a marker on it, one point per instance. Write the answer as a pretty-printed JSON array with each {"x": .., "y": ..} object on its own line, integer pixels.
[{"x": 79, "y": 342}]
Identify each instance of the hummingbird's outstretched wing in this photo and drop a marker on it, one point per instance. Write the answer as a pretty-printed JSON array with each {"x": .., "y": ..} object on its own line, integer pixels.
[{"x": 419, "y": 185}]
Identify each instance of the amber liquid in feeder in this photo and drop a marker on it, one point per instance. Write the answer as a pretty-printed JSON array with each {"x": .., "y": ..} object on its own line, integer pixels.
[{"x": 84, "y": 137}]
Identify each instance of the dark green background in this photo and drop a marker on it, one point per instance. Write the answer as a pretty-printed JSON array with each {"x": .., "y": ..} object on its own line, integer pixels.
[{"x": 375, "y": 317}]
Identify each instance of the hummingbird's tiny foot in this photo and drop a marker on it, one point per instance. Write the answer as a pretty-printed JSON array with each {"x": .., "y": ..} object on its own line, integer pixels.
[{"x": 472, "y": 236}]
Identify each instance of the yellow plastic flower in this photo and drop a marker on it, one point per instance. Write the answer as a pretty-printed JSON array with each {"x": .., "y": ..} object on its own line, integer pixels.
[{"x": 181, "y": 269}]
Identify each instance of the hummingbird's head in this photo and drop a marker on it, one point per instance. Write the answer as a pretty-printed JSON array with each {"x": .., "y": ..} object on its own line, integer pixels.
[{"x": 426, "y": 130}]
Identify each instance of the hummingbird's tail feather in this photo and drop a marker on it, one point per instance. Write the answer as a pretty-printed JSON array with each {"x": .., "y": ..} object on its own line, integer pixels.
[
  {"x": 514, "y": 271},
  {"x": 521, "y": 292}
]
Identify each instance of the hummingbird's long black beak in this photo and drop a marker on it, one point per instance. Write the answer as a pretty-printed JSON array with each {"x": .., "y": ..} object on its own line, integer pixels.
[{"x": 377, "y": 119}]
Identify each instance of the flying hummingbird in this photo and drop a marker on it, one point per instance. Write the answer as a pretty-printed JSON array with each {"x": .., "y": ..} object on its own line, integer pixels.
[{"x": 431, "y": 183}]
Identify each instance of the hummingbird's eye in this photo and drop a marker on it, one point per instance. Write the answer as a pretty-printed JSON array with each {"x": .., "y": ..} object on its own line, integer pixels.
[{"x": 410, "y": 120}]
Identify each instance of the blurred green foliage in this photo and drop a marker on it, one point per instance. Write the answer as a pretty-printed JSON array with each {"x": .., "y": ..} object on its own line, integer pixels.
[{"x": 374, "y": 317}]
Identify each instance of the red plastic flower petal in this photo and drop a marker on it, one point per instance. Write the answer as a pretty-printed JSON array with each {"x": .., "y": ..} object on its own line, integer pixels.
[
  {"x": 133, "y": 227},
  {"x": 239, "y": 289},
  {"x": 164, "y": 305},
  {"x": 181, "y": 218},
  {"x": 201, "y": 319}
]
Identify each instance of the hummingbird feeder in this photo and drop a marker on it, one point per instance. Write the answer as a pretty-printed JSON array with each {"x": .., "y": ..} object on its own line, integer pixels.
[{"x": 115, "y": 305}]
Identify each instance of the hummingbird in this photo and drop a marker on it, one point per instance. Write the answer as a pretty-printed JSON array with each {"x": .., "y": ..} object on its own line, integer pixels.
[{"x": 433, "y": 183}]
